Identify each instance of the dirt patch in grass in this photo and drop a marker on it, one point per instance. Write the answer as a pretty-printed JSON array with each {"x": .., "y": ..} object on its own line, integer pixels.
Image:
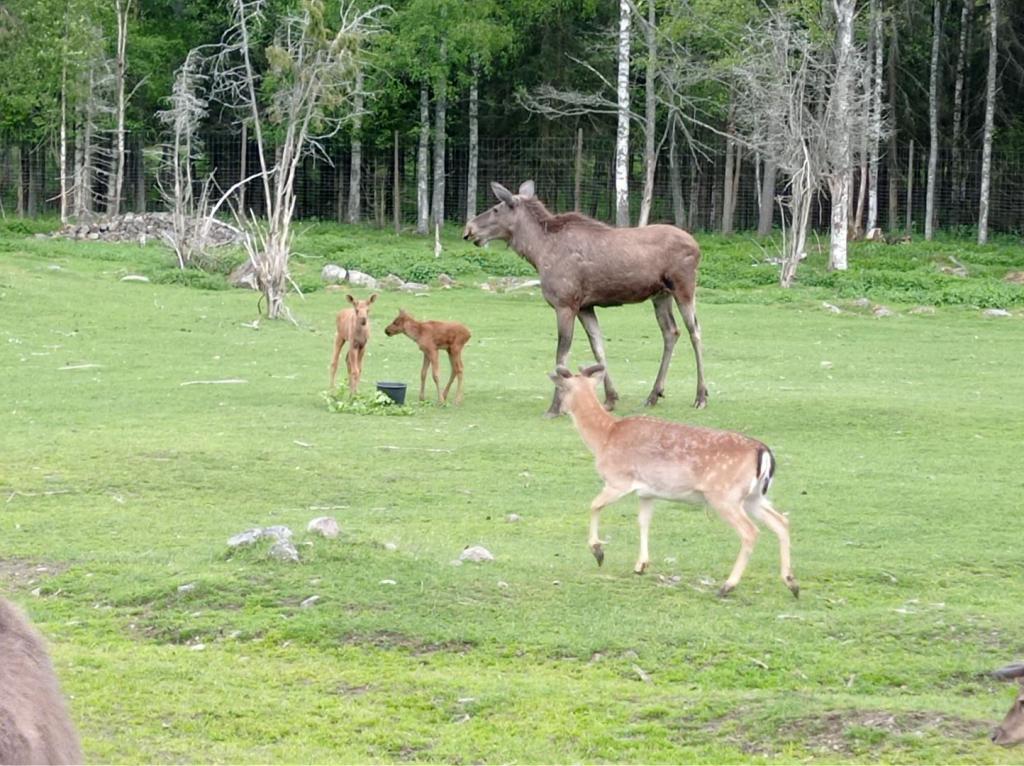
[
  {"x": 415, "y": 646},
  {"x": 17, "y": 574},
  {"x": 844, "y": 732}
]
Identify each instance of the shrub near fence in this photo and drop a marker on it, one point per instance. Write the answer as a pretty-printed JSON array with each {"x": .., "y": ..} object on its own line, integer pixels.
[{"x": 30, "y": 183}]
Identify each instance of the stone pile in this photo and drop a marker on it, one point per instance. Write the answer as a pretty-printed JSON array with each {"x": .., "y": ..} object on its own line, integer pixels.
[{"x": 140, "y": 228}]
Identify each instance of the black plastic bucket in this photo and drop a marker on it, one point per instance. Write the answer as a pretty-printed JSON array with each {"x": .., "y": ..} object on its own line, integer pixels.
[{"x": 395, "y": 391}]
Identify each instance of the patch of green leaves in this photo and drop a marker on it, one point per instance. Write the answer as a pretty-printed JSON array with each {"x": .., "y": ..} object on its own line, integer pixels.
[{"x": 377, "y": 403}]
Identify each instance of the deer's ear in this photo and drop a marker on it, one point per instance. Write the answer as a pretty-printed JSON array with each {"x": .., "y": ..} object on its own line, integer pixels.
[
  {"x": 372, "y": 299},
  {"x": 527, "y": 190},
  {"x": 350, "y": 299},
  {"x": 503, "y": 194},
  {"x": 594, "y": 370}
]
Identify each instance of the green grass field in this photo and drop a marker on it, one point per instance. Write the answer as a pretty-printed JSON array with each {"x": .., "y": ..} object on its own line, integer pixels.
[{"x": 899, "y": 447}]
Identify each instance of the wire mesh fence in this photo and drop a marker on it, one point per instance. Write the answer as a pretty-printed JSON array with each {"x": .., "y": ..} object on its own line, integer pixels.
[{"x": 570, "y": 173}]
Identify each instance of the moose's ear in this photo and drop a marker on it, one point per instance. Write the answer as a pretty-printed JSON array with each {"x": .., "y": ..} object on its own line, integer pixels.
[
  {"x": 503, "y": 194},
  {"x": 350, "y": 299},
  {"x": 527, "y": 190},
  {"x": 560, "y": 376},
  {"x": 372, "y": 299},
  {"x": 594, "y": 370}
]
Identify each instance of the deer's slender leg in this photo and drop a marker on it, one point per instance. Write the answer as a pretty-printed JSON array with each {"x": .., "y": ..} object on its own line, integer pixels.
[
  {"x": 434, "y": 365},
  {"x": 451, "y": 379},
  {"x": 732, "y": 513},
  {"x": 760, "y": 508},
  {"x": 423, "y": 376},
  {"x": 566, "y": 319},
  {"x": 608, "y": 495},
  {"x": 643, "y": 517},
  {"x": 687, "y": 307},
  {"x": 588, "y": 318},
  {"x": 669, "y": 334},
  {"x": 339, "y": 341},
  {"x": 456, "y": 359}
]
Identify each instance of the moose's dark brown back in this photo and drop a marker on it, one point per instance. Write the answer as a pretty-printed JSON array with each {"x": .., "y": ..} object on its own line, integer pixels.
[{"x": 34, "y": 722}]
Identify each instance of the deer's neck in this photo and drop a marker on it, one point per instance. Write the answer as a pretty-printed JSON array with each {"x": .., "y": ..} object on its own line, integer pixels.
[
  {"x": 592, "y": 421},
  {"x": 413, "y": 329},
  {"x": 529, "y": 240}
]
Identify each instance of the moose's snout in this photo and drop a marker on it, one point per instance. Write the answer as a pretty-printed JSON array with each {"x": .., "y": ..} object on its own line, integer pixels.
[
  {"x": 363, "y": 321},
  {"x": 467, "y": 234}
]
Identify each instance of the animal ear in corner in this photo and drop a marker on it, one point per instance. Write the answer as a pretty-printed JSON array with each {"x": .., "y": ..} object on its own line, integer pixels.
[
  {"x": 527, "y": 190},
  {"x": 503, "y": 194},
  {"x": 560, "y": 376}
]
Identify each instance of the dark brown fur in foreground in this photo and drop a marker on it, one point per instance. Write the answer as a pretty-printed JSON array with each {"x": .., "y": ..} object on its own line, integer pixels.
[{"x": 34, "y": 722}]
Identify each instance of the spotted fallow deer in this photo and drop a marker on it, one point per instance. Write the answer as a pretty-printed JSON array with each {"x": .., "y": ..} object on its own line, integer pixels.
[
  {"x": 1011, "y": 730},
  {"x": 658, "y": 459},
  {"x": 34, "y": 722},
  {"x": 353, "y": 326}
]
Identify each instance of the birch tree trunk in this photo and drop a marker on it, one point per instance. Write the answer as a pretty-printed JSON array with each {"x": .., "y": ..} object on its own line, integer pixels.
[
  {"x": 990, "y": 110},
  {"x": 840, "y": 179},
  {"x": 766, "y": 211},
  {"x": 356, "y": 163},
  {"x": 120, "y": 64},
  {"x": 676, "y": 182},
  {"x": 933, "y": 122},
  {"x": 62, "y": 151},
  {"x": 440, "y": 117},
  {"x": 875, "y": 129},
  {"x": 423, "y": 165},
  {"x": 650, "y": 114},
  {"x": 622, "y": 133},
  {"x": 959, "y": 189},
  {"x": 474, "y": 142}
]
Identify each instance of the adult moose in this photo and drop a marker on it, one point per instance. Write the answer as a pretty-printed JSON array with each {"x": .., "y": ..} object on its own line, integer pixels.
[{"x": 584, "y": 264}]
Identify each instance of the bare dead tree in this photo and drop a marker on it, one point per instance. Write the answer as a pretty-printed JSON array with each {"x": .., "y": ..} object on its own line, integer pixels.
[
  {"x": 990, "y": 108},
  {"x": 933, "y": 121},
  {"x": 306, "y": 95},
  {"x": 785, "y": 113}
]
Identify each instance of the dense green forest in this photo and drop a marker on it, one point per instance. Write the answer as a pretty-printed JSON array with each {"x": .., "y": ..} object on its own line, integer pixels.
[{"x": 533, "y": 79}]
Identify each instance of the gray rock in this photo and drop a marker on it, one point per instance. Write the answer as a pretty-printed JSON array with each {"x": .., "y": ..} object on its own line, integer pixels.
[
  {"x": 392, "y": 282},
  {"x": 445, "y": 281},
  {"x": 332, "y": 273},
  {"x": 476, "y": 554},
  {"x": 325, "y": 526},
  {"x": 513, "y": 517},
  {"x": 996, "y": 313},
  {"x": 359, "y": 279},
  {"x": 832, "y": 309},
  {"x": 883, "y": 311},
  {"x": 862, "y": 303},
  {"x": 134, "y": 278},
  {"x": 307, "y": 603},
  {"x": 922, "y": 310},
  {"x": 187, "y": 587},
  {"x": 248, "y": 537},
  {"x": 278, "y": 532},
  {"x": 283, "y": 550},
  {"x": 415, "y": 287}
]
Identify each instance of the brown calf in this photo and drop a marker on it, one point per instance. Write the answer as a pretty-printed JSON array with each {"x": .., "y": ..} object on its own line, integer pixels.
[
  {"x": 431, "y": 336},
  {"x": 354, "y": 327},
  {"x": 1011, "y": 730},
  {"x": 34, "y": 722},
  {"x": 671, "y": 461}
]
